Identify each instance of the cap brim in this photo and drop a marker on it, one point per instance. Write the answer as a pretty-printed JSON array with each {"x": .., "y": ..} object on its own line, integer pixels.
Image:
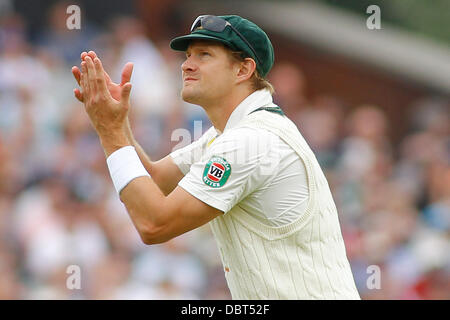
[{"x": 182, "y": 43}]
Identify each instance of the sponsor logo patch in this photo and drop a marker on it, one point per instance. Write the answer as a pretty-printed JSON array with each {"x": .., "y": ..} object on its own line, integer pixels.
[{"x": 216, "y": 172}]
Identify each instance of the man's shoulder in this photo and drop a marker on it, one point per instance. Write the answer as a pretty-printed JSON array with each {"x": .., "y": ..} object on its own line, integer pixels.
[
  {"x": 275, "y": 123},
  {"x": 251, "y": 144}
]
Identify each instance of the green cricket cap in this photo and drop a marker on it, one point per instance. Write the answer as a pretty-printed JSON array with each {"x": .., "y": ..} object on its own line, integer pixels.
[{"x": 253, "y": 34}]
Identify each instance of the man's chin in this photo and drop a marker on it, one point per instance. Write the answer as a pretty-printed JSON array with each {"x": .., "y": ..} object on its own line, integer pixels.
[{"x": 189, "y": 96}]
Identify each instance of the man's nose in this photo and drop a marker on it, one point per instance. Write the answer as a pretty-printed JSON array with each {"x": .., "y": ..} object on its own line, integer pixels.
[{"x": 188, "y": 65}]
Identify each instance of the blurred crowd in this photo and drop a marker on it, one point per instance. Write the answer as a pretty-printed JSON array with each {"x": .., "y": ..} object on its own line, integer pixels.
[{"x": 58, "y": 206}]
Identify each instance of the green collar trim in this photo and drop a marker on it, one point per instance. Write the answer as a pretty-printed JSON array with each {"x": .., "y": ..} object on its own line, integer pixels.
[{"x": 270, "y": 109}]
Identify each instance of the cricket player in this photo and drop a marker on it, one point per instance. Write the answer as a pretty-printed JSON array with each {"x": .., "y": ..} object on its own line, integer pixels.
[{"x": 252, "y": 175}]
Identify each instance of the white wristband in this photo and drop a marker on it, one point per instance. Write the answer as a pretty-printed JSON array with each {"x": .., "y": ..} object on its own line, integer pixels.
[{"x": 124, "y": 165}]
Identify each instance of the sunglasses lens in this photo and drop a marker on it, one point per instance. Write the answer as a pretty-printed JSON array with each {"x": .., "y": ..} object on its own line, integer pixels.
[{"x": 213, "y": 24}]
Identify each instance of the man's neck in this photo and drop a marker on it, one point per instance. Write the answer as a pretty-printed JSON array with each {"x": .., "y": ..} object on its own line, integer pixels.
[{"x": 220, "y": 111}]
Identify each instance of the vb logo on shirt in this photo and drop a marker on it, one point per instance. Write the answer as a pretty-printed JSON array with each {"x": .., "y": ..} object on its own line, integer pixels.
[{"x": 216, "y": 172}]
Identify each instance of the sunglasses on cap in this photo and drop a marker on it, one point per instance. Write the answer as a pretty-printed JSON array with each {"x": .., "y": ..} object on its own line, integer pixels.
[{"x": 217, "y": 24}]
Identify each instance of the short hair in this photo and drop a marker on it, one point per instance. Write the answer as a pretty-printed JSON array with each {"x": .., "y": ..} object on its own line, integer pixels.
[{"x": 257, "y": 81}]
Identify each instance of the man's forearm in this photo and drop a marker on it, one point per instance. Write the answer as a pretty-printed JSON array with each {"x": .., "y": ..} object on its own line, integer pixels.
[{"x": 113, "y": 141}]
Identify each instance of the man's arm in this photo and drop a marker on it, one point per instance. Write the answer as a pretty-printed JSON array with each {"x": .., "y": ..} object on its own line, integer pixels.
[
  {"x": 159, "y": 215},
  {"x": 159, "y": 218}
]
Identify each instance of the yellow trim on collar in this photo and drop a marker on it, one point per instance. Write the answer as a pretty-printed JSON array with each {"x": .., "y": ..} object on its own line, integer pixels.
[{"x": 210, "y": 141}]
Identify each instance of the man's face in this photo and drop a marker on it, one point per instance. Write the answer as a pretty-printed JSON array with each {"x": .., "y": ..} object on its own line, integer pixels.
[{"x": 208, "y": 74}]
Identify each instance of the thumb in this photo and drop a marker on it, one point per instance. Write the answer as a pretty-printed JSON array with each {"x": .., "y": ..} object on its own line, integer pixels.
[
  {"x": 126, "y": 89},
  {"x": 126, "y": 73}
]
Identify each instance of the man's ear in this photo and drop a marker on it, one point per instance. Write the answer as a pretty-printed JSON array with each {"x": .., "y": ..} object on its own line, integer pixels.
[{"x": 246, "y": 69}]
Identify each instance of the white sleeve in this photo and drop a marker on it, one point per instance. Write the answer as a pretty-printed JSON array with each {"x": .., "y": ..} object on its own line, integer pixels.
[
  {"x": 186, "y": 156},
  {"x": 235, "y": 165}
]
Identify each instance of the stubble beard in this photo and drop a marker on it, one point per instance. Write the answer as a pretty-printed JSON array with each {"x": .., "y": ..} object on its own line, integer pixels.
[{"x": 191, "y": 95}]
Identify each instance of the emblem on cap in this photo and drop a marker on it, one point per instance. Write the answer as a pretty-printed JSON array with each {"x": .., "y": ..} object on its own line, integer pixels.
[{"x": 216, "y": 173}]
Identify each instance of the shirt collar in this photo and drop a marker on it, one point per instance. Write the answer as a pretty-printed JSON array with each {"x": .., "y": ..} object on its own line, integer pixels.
[{"x": 254, "y": 101}]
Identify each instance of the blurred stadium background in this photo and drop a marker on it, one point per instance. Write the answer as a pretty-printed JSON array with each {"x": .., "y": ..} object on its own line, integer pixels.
[{"x": 373, "y": 105}]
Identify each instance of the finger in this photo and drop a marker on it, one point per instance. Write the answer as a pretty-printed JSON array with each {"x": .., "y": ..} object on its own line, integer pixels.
[
  {"x": 126, "y": 73},
  {"x": 77, "y": 74},
  {"x": 91, "y": 75},
  {"x": 92, "y": 54},
  {"x": 100, "y": 79},
  {"x": 125, "y": 95},
  {"x": 83, "y": 79},
  {"x": 78, "y": 95},
  {"x": 83, "y": 55}
]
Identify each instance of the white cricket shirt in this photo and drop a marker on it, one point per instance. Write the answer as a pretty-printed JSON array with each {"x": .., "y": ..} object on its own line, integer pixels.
[{"x": 249, "y": 167}]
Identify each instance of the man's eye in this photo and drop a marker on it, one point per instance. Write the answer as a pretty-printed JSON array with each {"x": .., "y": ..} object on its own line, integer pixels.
[{"x": 204, "y": 53}]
